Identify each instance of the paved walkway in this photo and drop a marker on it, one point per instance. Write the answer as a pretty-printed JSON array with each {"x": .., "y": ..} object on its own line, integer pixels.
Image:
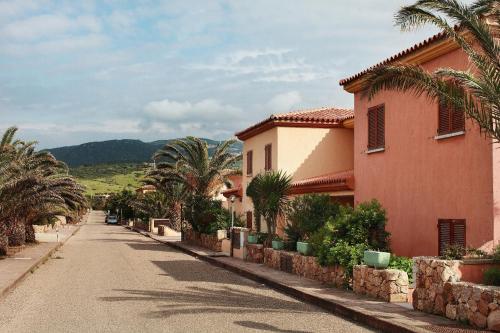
[
  {"x": 373, "y": 312},
  {"x": 15, "y": 268},
  {"x": 109, "y": 279}
]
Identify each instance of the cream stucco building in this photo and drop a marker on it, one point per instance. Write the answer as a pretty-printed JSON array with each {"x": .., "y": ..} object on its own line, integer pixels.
[{"x": 315, "y": 147}]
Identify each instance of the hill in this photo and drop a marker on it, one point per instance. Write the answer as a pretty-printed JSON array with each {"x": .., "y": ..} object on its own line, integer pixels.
[
  {"x": 108, "y": 178},
  {"x": 116, "y": 151}
]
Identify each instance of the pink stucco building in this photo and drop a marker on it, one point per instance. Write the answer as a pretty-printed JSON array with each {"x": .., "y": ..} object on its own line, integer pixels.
[{"x": 436, "y": 175}]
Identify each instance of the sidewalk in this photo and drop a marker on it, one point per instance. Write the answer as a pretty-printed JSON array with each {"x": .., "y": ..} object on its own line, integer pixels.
[
  {"x": 380, "y": 315},
  {"x": 16, "y": 268}
]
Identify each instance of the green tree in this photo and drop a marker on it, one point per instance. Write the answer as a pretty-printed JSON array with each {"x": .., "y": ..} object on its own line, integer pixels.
[
  {"x": 271, "y": 193},
  {"x": 33, "y": 186},
  {"x": 475, "y": 91},
  {"x": 187, "y": 162}
]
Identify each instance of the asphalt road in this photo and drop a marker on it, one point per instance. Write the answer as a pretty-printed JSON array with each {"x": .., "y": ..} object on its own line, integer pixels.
[{"x": 108, "y": 279}]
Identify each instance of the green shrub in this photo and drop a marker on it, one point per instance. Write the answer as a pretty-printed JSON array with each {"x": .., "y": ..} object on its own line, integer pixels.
[
  {"x": 496, "y": 253},
  {"x": 261, "y": 237},
  {"x": 307, "y": 214},
  {"x": 454, "y": 252},
  {"x": 402, "y": 263},
  {"x": 492, "y": 276},
  {"x": 472, "y": 252},
  {"x": 343, "y": 239}
]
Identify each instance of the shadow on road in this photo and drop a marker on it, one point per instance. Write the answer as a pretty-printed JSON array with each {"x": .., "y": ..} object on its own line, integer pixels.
[
  {"x": 194, "y": 270},
  {"x": 265, "y": 327},
  {"x": 210, "y": 301}
]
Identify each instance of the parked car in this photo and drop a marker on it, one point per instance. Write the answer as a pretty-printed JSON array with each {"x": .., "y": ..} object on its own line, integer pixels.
[{"x": 112, "y": 219}]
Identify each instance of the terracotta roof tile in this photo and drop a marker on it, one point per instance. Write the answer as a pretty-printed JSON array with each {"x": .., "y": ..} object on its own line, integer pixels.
[
  {"x": 396, "y": 57},
  {"x": 326, "y": 115},
  {"x": 331, "y": 178}
]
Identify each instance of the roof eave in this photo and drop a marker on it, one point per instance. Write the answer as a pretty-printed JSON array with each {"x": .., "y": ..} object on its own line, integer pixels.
[
  {"x": 418, "y": 56},
  {"x": 267, "y": 125}
]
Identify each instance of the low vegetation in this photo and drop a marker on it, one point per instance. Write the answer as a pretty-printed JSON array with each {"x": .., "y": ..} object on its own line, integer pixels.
[{"x": 109, "y": 178}]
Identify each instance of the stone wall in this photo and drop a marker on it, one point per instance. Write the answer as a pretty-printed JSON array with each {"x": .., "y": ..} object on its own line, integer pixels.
[
  {"x": 305, "y": 266},
  {"x": 210, "y": 242},
  {"x": 439, "y": 291},
  {"x": 255, "y": 253},
  {"x": 391, "y": 285}
]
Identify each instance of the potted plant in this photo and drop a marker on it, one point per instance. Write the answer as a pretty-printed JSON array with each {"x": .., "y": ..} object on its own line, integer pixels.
[
  {"x": 278, "y": 243},
  {"x": 252, "y": 238},
  {"x": 377, "y": 259},
  {"x": 304, "y": 248}
]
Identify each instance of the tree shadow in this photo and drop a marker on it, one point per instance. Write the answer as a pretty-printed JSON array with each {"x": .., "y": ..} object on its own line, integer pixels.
[
  {"x": 210, "y": 301},
  {"x": 198, "y": 271},
  {"x": 265, "y": 327}
]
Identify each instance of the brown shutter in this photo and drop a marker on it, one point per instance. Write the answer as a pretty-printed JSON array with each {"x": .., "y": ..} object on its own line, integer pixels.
[
  {"x": 249, "y": 220},
  {"x": 444, "y": 235},
  {"x": 451, "y": 232},
  {"x": 268, "y": 157},
  {"x": 376, "y": 127},
  {"x": 381, "y": 126},
  {"x": 249, "y": 162},
  {"x": 450, "y": 120},
  {"x": 458, "y": 120}
]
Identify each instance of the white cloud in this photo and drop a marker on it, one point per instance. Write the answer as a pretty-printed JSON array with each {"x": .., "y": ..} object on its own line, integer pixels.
[
  {"x": 284, "y": 102},
  {"x": 207, "y": 109},
  {"x": 62, "y": 45},
  {"x": 48, "y": 26}
]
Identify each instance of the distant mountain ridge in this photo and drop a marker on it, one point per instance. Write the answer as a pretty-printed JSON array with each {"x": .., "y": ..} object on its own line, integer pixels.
[{"x": 117, "y": 151}]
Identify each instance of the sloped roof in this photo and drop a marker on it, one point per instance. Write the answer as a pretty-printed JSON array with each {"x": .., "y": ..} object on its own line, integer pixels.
[
  {"x": 319, "y": 117},
  {"x": 337, "y": 181},
  {"x": 397, "y": 57}
]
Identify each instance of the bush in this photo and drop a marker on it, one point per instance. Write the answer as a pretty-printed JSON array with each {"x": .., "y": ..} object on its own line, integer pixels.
[
  {"x": 307, "y": 214},
  {"x": 216, "y": 217},
  {"x": 454, "y": 252},
  {"x": 402, "y": 263},
  {"x": 343, "y": 239},
  {"x": 492, "y": 276}
]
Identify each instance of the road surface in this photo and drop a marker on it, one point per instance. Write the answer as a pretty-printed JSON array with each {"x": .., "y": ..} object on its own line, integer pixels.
[{"x": 109, "y": 279}]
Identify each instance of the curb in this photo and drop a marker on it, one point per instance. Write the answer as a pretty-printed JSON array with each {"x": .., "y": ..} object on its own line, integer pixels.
[
  {"x": 328, "y": 305},
  {"x": 37, "y": 264}
]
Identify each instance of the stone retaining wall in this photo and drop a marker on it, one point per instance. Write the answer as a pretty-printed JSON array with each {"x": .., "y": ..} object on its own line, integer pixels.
[
  {"x": 255, "y": 253},
  {"x": 439, "y": 291},
  {"x": 305, "y": 266},
  {"x": 210, "y": 242},
  {"x": 391, "y": 285}
]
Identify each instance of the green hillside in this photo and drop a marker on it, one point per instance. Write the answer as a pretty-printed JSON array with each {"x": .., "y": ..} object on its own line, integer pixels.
[
  {"x": 108, "y": 178},
  {"x": 117, "y": 151}
]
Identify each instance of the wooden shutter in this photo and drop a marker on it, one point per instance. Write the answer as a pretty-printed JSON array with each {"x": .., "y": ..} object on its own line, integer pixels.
[
  {"x": 376, "y": 127},
  {"x": 451, "y": 231},
  {"x": 268, "y": 157},
  {"x": 450, "y": 120},
  {"x": 249, "y": 162},
  {"x": 249, "y": 219}
]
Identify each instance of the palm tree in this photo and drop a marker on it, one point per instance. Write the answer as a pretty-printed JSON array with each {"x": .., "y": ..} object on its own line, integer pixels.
[
  {"x": 187, "y": 163},
  {"x": 33, "y": 186},
  {"x": 475, "y": 28},
  {"x": 270, "y": 192},
  {"x": 174, "y": 194}
]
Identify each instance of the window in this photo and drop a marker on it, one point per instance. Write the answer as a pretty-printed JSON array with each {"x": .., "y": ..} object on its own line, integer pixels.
[
  {"x": 376, "y": 127},
  {"x": 450, "y": 120},
  {"x": 249, "y": 219},
  {"x": 249, "y": 162},
  {"x": 450, "y": 232},
  {"x": 268, "y": 158}
]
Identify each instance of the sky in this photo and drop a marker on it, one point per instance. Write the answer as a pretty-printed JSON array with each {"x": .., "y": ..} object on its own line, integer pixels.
[{"x": 79, "y": 71}]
